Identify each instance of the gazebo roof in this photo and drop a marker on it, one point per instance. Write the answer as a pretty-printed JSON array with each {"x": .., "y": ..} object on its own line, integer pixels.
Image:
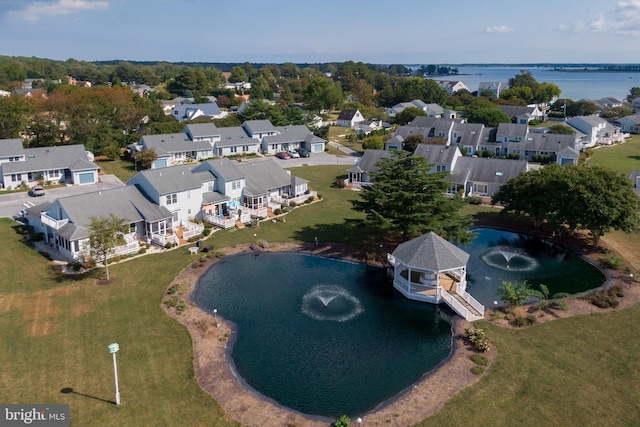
[{"x": 431, "y": 252}]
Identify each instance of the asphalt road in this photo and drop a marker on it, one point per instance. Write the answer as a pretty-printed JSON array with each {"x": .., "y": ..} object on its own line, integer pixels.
[{"x": 11, "y": 204}]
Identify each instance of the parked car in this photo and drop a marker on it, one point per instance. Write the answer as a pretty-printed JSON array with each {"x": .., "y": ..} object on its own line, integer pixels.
[
  {"x": 303, "y": 153},
  {"x": 37, "y": 190},
  {"x": 293, "y": 154},
  {"x": 283, "y": 155}
]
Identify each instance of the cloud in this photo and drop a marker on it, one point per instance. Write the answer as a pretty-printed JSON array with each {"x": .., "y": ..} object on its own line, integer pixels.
[
  {"x": 38, "y": 9},
  {"x": 623, "y": 19},
  {"x": 499, "y": 29}
]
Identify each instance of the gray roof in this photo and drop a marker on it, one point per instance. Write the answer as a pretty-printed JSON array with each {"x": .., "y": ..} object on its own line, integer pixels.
[
  {"x": 424, "y": 121},
  {"x": 196, "y": 130},
  {"x": 222, "y": 168},
  {"x": 213, "y": 197},
  {"x": 347, "y": 114},
  {"x": 431, "y": 252},
  {"x": 125, "y": 202},
  {"x": 486, "y": 170},
  {"x": 258, "y": 126},
  {"x": 50, "y": 158},
  {"x": 11, "y": 147},
  {"x": 369, "y": 159},
  {"x": 472, "y": 134},
  {"x": 517, "y": 110},
  {"x": 188, "y": 111},
  {"x": 437, "y": 154},
  {"x": 289, "y": 134},
  {"x": 263, "y": 176},
  {"x": 167, "y": 143},
  {"x": 512, "y": 129},
  {"x": 235, "y": 136},
  {"x": 544, "y": 142},
  {"x": 169, "y": 180}
]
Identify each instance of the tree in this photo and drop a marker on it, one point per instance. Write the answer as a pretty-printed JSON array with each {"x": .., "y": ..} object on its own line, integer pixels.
[
  {"x": 634, "y": 93},
  {"x": 408, "y": 114},
  {"x": 105, "y": 235},
  {"x": 617, "y": 112},
  {"x": 260, "y": 89},
  {"x": 323, "y": 94},
  {"x": 412, "y": 141},
  {"x": 490, "y": 117},
  {"x": 514, "y": 293},
  {"x": 576, "y": 197},
  {"x": 560, "y": 129},
  {"x": 238, "y": 74},
  {"x": 145, "y": 158},
  {"x": 14, "y": 111},
  {"x": 405, "y": 198}
]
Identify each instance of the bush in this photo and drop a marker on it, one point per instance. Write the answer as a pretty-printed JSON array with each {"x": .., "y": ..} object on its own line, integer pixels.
[
  {"x": 613, "y": 262},
  {"x": 142, "y": 251},
  {"x": 278, "y": 211},
  {"x": 36, "y": 237},
  {"x": 474, "y": 200},
  {"x": 534, "y": 122},
  {"x": 480, "y": 359},
  {"x": 607, "y": 298},
  {"x": 524, "y": 321},
  {"x": 75, "y": 266},
  {"x": 477, "y": 339},
  {"x": 309, "y": 199},
  {"x": 477, "y": 370},
  {"x": 293, "y": 204},
  {"x": 343, "y": 421}
]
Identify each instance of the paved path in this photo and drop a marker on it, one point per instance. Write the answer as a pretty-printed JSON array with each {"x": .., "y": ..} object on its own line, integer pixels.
[
  {"x": 11, "y": 204},
  {"x": 324, "y": 158}
]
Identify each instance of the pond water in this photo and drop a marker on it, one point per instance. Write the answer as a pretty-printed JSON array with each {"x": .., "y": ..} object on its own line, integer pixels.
[
  {"x": 497, "y": 255},
  {"x": 323, "y": 336}
]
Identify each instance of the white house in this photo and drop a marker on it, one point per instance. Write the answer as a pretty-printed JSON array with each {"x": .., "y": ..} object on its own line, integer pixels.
[
  {"x": 349, "y": 118},
  {"x": 69, "y": 164},
  {"x": 596, "y": 129},
  {"x": 629, "y": 124},
  {"x": 209, "y": 110}
]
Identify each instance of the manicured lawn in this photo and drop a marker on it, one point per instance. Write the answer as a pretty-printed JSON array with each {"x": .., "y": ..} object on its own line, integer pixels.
[
  {"x": 123, "y": 169},
  {"x": 578, "y": 371},
  {"x": 621, "y": 157}
]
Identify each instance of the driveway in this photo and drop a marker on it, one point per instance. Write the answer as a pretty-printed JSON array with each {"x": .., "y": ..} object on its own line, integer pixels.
[
  {"x": 11, "y": 204},
  {"x": 316, "y": 159}
]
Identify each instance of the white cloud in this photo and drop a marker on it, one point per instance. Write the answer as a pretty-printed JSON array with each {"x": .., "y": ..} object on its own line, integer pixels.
[
  {"x": 624, "y": 19},
  {"x": 499, "y": 29},
  {"x": 36, "y": 10}
]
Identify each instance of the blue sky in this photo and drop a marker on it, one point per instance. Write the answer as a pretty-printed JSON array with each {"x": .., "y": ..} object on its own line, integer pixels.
[{"x": 276, "y": 31}]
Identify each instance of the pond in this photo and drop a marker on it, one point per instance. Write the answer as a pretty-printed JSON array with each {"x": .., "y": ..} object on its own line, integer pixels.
[
  {"x": 322, "y": 336},
  {"x": 497, "y": 255}
]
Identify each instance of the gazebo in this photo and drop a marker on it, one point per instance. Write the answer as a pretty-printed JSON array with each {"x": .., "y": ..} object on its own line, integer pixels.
[{"x": 431, "y": 269}]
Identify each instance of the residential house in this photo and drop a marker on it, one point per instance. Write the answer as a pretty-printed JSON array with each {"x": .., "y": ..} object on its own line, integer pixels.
[
  {"x": 62, "y": 164},
  {"x": 443, "y": 158},
  {"x": 431, "y": 110},
  {"x": 481, "y": 176},
  {"x": 210, "y": 110},
  {"x": 596, "y": 129},
  {"x": 291, "y": 138},
  {"x": 629, "y": 124},
  {"x": 234, "y": 141},
  {"x": 66, "y": 222},
  {"x": 452, "y": 86},
  {"x": 634, "y": 177},
  {"x": 495, "y": 88},
  {"x": 249, "y": 189},
  {"x": 30, "y": 92},
  {"x": 365, "y": 167},
  {"x": 349, "y": 118},
  {"x": 545, "y": 144},
  {"x": 258, "y": 129},
  {"x": 174, "y": 148},
  {"x": 567, "y": 156},
  {"x": 522, "y": 114}
]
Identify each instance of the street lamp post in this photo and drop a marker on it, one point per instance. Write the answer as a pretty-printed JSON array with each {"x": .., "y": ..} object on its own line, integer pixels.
[
  {"x": 113, "y": 349},
  {"x": 359, "y": 421},
  {"x": 215, "y": 317}
]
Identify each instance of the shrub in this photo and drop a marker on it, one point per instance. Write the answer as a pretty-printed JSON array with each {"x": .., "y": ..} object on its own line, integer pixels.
[
  {"x": 309, "y": 199},
  {"x": 477, "y": 339},
  {"x": 278, "y": 211},
  {"x": 172, "y": 290},
  {"x": 474, "y": 200},
  {"x": 605, "y": 299},
  {"x": 616, "y": 290},
  {"x": 477, "y": 370},
  {"x": 36, "y": 237},
  {"x": 293, "y": 204},
  {"x": 75, "y": 266},
  {"x": 343, "y": 421},
  {"x": 479, "y": 359},
  {"x": 169, "y": 245},
  {"x": 142, "y": 251},
  {"x": 524, "y": 321},
  {"x": 534, "y": 122},
  {"x": 180, "y": 308},
  {"x": 613, "y": 262}
]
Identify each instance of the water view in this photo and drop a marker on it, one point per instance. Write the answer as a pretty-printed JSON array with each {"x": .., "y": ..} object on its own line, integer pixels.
[
  {"x": 323, "y": 336},
  {"x": 574, "y": 83},
  {"x": 497, "y": 255}
]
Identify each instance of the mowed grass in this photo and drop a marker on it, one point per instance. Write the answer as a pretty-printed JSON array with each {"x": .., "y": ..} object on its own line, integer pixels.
[
  {"x": 622, "y": 157},
  {"x": 578, "y": 371}
]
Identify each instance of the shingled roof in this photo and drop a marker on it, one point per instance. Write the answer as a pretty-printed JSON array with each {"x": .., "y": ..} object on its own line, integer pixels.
[{"x": 431, "y": 252}]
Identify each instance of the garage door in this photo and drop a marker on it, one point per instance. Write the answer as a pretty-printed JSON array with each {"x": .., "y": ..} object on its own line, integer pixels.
[
  {"x": 86, "y": 178},
  {"x": 317, "y": 148},
  {"x": 161, "y": 163}
]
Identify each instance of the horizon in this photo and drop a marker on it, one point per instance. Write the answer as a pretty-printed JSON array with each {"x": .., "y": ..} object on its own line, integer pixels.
[{"x": 373, "y": 31}]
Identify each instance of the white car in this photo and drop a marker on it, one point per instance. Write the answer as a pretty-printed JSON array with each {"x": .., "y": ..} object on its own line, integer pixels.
[{"x": 294, "y": 154}]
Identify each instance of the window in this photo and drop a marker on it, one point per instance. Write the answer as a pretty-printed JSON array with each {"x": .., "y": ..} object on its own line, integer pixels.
[
  {"x": 441, "y": 168},
  {"x": 210, "y": 186},
  {"x": 235, "y": 185},
  {"x": 245, "y": 148},
  {"x": 188, "y": 194},
  {"x": 54, "y": 174},
  {"x": 16, "y": 177},
  {"x": 234, "y": 149},
  {"x": 172, "y": 198},
  {"x": 480, "y": 188}
]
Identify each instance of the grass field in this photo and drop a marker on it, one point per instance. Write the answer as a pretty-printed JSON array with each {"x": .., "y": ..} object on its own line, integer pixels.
[
  {"x": 580, "y": 371},
  {"x": 621, "y": 157}
]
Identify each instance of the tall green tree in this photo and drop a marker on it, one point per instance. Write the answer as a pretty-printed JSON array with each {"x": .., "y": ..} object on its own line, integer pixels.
[
  {"x": 105, "y": 235},
  {"x": 561, "y": 129},
  {"x": 14, "y": 111},
  {"x": 323, "y": 94},
  {"x": 490, "y": 117},
  {"x": 634, "y": 93},
  {"x": 406, "y": 199},
  {"x": 408, "y": 114}
]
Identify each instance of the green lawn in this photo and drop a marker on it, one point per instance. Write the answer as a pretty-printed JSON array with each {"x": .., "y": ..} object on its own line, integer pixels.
[
  {"x": 123, "y": 169},
  {"x": 578, "y": 371},
  {"x": 621, "y": 157}
]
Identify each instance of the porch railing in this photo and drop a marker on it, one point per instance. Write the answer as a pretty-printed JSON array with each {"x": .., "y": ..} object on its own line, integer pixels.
[
  {"x": 260, "y": 212},
  {"x": 286, "y": 201},
  {"x": 471, "y": 301},
  {"x": 52, "y": 222},
  {"x": 220, "y": 222},
  {"x": 191, "y": 229},
  {"x": 162, "y": 240}
]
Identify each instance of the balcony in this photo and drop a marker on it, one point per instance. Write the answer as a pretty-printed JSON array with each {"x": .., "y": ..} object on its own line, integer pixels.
[{"x": 52, "y": 222}]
